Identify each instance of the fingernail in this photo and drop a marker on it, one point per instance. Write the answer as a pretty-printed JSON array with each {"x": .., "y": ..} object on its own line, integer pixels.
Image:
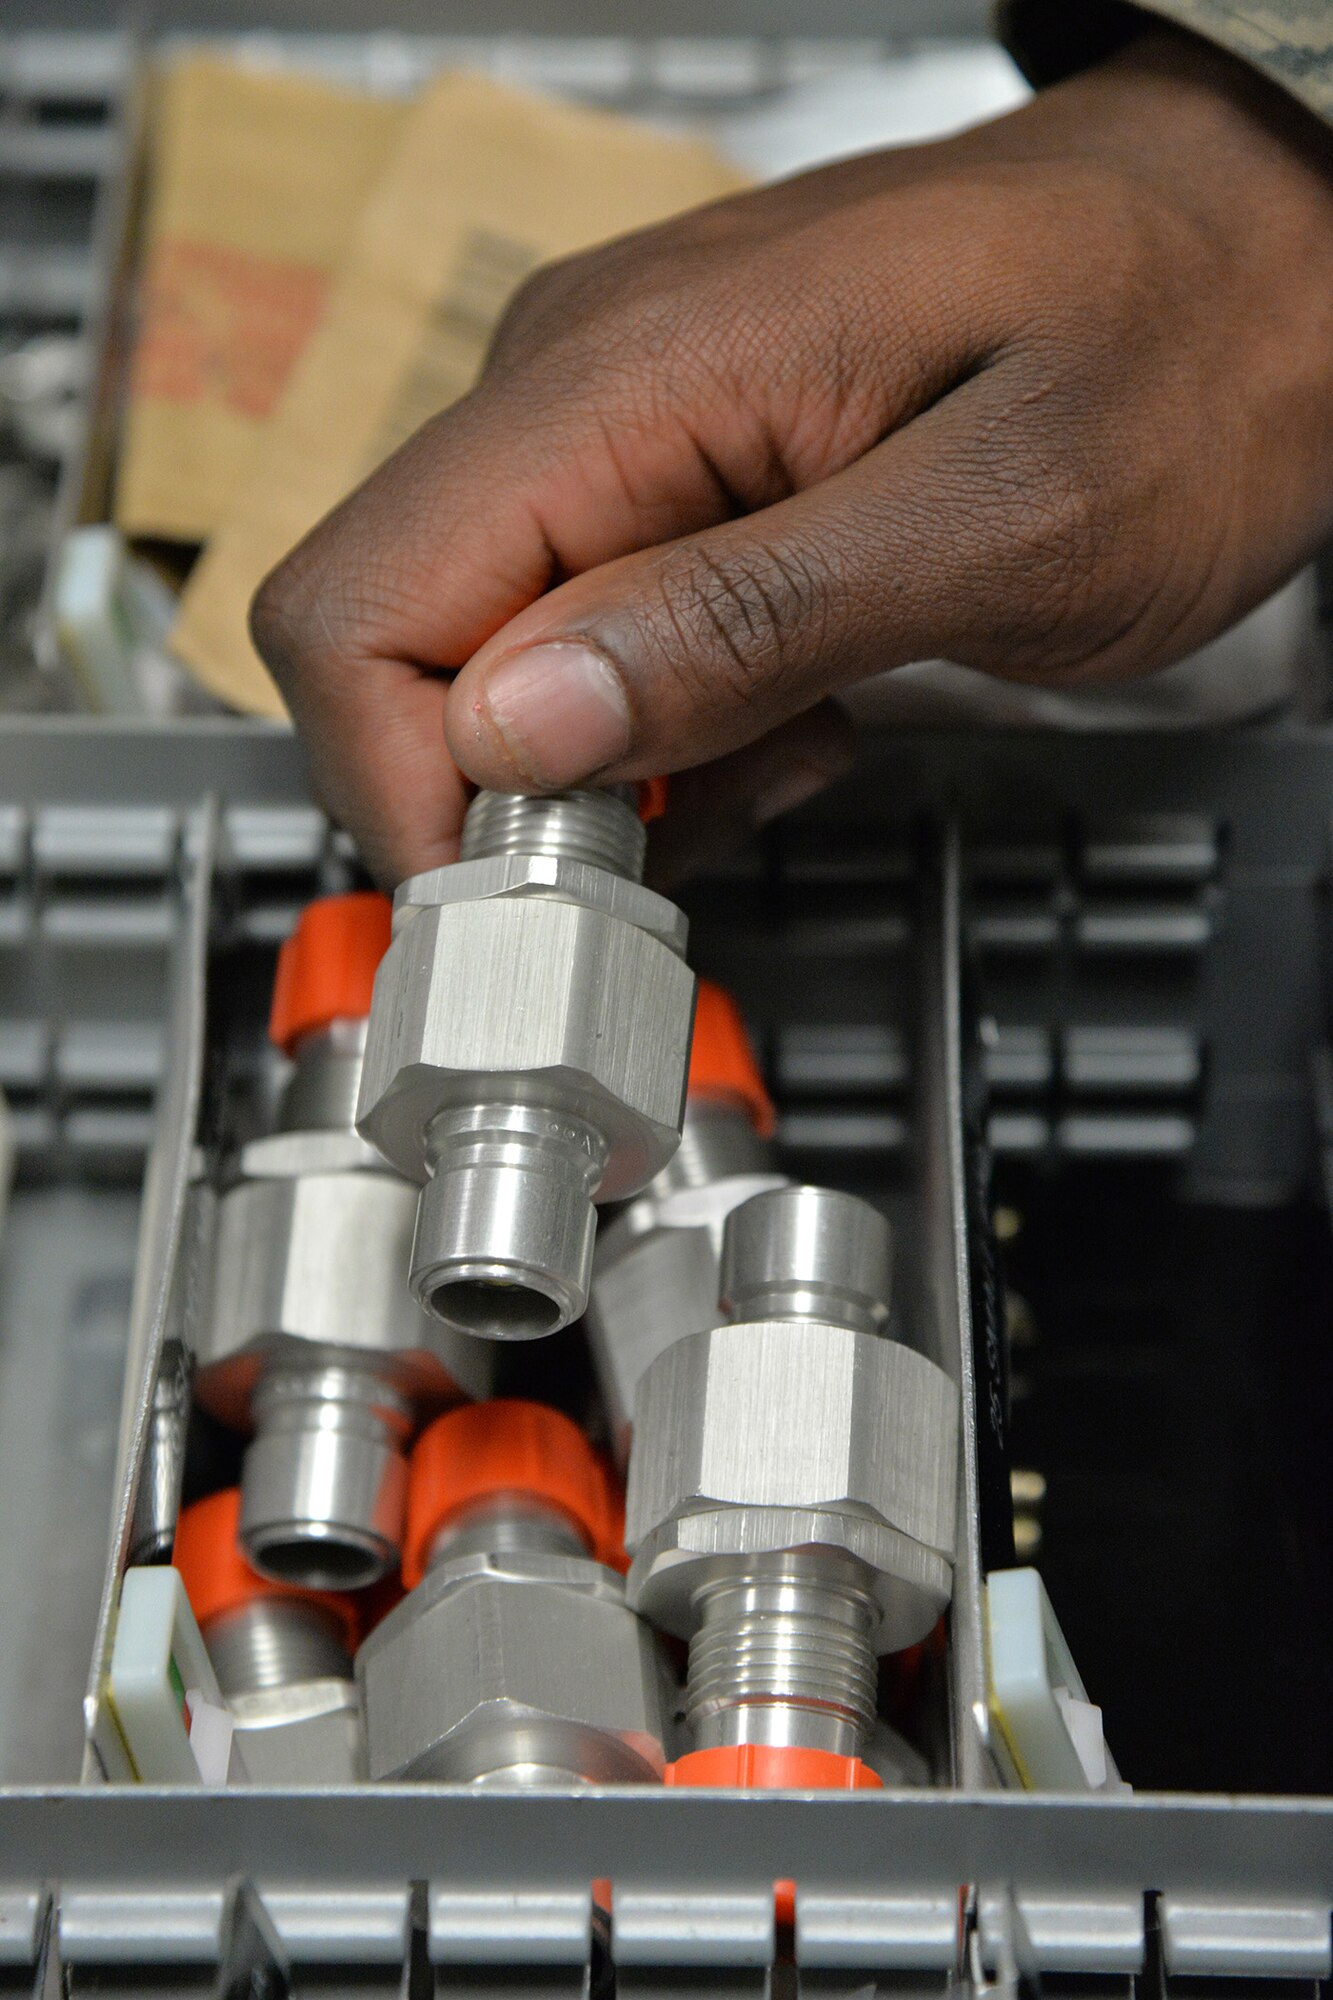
[
  {"x": 790, "y": 789},
  {"x": 560, "y": 711}
]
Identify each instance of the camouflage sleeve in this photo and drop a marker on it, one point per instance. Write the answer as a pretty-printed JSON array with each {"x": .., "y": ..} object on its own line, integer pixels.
[{"x": 1291, "y": 41}]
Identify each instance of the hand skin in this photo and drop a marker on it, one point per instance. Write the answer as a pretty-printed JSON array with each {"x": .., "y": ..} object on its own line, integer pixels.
[{"x": 1053, "y": 399}]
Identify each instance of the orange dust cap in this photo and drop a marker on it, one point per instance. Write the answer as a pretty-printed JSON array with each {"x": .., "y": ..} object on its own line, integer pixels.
[
  {"x": 652, "y": 798},
  {"x": 769, "y": 1767},
  {"x": 507, "y": 1446},
  {"x": 326, "y": 969},
  {"x": 722, "y": 1062}
]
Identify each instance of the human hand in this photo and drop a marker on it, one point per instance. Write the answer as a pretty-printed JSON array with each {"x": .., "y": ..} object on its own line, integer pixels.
[{"x": 1053, "y": 399}]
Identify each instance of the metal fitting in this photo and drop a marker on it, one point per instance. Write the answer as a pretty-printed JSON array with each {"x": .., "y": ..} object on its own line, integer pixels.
[
  {"x": 527, "y": 1053},
  {"x": 288, "y": 1683},
  {"x": 283, "y": 1658},
  {"x": 157, "y": 1497},
  {"x": 792, "y": 1482},
  {"x": 315, "y": 1343},
  {"x": 312, "y": 1340},
  {"x": 516, "y": 1661},
  {"x": 657, "y": 1266},
  {"x": 656, "y": 1269}
]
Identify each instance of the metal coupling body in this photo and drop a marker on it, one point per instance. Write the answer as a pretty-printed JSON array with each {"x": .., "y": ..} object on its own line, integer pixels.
[
  {"x": 527, "y": 1053},
  {"x": 157, "y": 1501},
  {"x": 312, "y": 1340},
  {"x": 656, "y": 1267},
  {"x": 792, "y": 1495},
  {"x": 283, "y": 1656},
  {"x": 514, "y": 1659}
]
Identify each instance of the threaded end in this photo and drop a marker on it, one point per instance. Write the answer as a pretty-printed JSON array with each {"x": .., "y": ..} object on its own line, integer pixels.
[
  {"x": 275, "y": 1643},
  {"x": 602, "y": 829},
  {"x": 786, "y": 1657}
]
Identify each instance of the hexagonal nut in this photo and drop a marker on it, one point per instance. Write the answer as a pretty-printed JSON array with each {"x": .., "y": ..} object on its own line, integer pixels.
[
  {"x": 282, "y": 1155},
  {"x": 786, "y": 1433},
  {"x": 306, "y": 1734},
  {"x": 547, "y": 875},
  {"x": 529, "y": 1000},
  {"x": 323, "y": 1259},
  {"x": 496, "y": 1665}
]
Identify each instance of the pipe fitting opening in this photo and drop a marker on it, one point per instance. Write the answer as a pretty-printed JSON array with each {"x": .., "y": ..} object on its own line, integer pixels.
[
  {"x": 495, "y": 1306},
  {"x": 505, "y": 1226}
]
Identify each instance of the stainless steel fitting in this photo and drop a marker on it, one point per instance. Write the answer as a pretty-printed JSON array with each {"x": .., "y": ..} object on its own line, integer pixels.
[
  {"x": 283, "y": 1658},
  {"x": 157, "y": 1498},
  {"x": 515, "y": 1662},
  {"x": 287, "y": 1676},
  {"x": 792, "y": 1482},
  {"x": 527, "y": 1054},
  {"x": 656, "y": 1267},
  {"x": 312, "y": 1340}
]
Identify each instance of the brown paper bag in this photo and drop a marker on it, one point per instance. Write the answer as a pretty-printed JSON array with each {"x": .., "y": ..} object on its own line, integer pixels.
[
  {"x": 483, "y": 184},
  {"x": 256, "y": 181}
]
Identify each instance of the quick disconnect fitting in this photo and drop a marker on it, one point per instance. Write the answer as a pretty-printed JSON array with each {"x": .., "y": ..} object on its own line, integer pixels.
[
  {"x": 527, "y": 1053},
  {"x": 283, "y": 1656},
  {"x": 311, "y": 1340},
  {"x": 792, "y": 1492},
  {"x": 515, "y": 1659}
]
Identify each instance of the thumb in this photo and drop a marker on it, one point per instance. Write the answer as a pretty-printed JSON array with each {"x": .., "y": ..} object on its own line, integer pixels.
[{"x": 672, "y": 656}]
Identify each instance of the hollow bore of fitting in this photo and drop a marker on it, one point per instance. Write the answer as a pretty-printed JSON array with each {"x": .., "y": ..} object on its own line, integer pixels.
[
  {"x": 505, "y": 1226},
  {"x": 324, "y": 1481},
  {"x": 496, "y": 1307}
]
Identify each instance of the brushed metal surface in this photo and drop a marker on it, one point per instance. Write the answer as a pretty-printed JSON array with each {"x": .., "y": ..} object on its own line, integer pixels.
[
  {"x": 513, "y": 1667},
  {"x": 527, "y": 1054},
  {"x": 785, "y": 1434},
  {"x": 656, "y": 1265},
  {"x": 544, "y": 1002}
]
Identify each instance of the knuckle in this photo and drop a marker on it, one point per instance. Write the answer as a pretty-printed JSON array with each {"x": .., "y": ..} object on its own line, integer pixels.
[
  {"x": 739, "y": 621},
  {"x": 527, "y": 306},
  {"x": 563, "y": 300},
  {"x": 278, "y": 612}
]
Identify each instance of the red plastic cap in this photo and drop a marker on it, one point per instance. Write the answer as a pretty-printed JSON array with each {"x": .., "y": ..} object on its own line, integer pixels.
[
  {"x": 218, "y": 1579},
  {"x": 652, "y": 798},
  {"x": 767, "y": 1767},
  {"x": 507, "y": 1446},
  {"x": 722, "y": 1061},
  {"x": 326, "y": 969}
]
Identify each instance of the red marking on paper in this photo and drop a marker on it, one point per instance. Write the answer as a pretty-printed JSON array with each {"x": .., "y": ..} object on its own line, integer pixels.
[{"x": 223, "y": 325}]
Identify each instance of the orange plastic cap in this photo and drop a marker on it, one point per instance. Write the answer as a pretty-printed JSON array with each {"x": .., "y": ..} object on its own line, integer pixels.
[
  {"x": 218, "y": 1579},
  {"x": 722, "y": 1062},
  {"x": 507, "y": 1446},
  {"x": 326, "y": 969},
  {"x": 652, "y": 799},
  {"x": 768, "y": 1767}
]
